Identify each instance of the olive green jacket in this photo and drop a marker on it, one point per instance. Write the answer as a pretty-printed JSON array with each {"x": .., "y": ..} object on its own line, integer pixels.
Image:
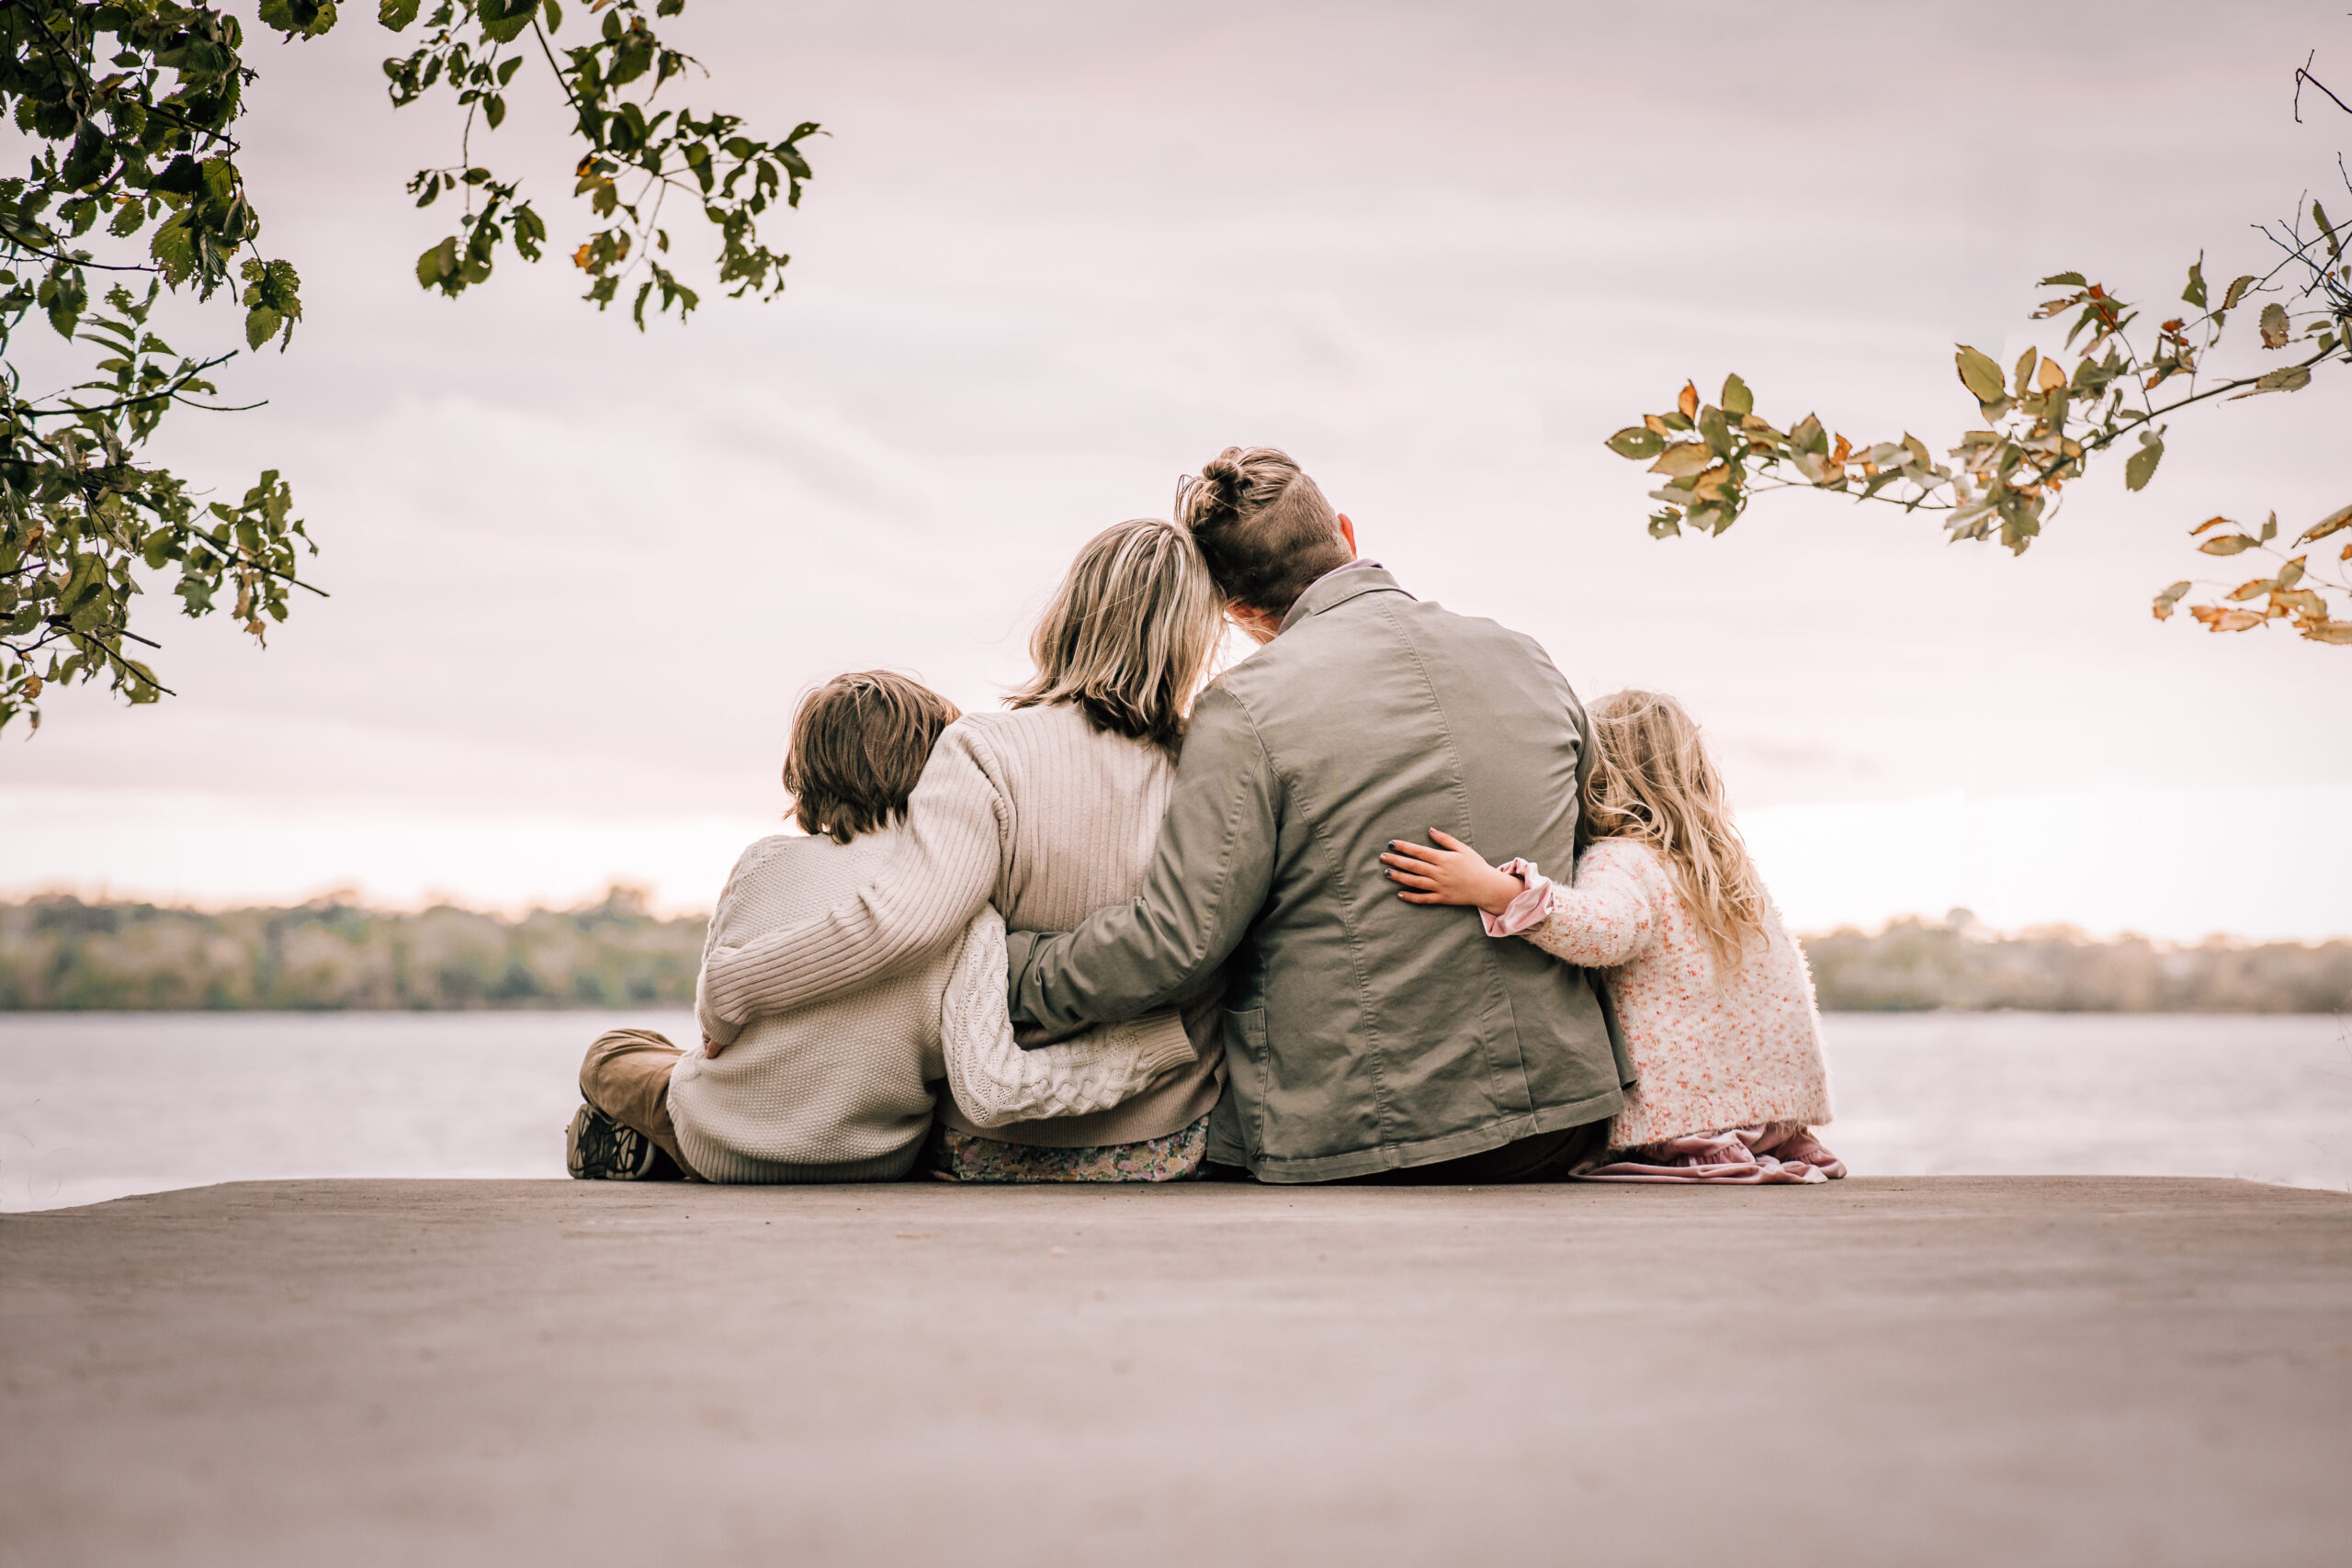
[{"x": 1361, "y": 1033}]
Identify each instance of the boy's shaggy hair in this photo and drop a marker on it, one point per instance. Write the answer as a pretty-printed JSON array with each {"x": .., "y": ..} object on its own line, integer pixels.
[{"x": 859, "y": 743}]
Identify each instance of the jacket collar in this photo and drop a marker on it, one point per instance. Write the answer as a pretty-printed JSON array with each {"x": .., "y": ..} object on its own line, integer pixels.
[{"x": 1337, "y": 587}]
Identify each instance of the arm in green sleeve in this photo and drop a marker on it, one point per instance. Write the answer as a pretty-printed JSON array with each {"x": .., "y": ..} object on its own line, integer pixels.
[{"x": 1209, "y": 877}]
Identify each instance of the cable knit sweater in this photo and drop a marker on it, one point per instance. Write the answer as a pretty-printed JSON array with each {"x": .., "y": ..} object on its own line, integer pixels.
[
  {"x": 835, "y": 1092},
  {"x": 1712, "y": 1050},
  {"x": 842, "y": 1090},
  {"x": 1035, "y": 811}
]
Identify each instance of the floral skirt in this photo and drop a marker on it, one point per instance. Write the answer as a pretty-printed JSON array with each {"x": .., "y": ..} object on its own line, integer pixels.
[
  {"x": 1774, "y": 1153},
  {"x": 967, "y": 1156}
]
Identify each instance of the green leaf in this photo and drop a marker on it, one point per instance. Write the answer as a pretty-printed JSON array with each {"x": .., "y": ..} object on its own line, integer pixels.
[
  {"x": 301, "y": 18},
  {"x": 1683, "y": 459},
  {"x": 554, "y": 14},
  {"x": 438, "y": 265},
  {"x": 1715, "y": 430},
  {"x": 2070, "y": 280},
  {"x": 397, "y": 14},
  {"x": 173, "y": 249},
  {"x": 64, "y": 297},
  {"x": 2195, "y": 293},
  {"x": 2273, "y": 324},
  {"x": 2140, "y": 467},
  {"x": 1636, "y": 441},
  {"x": 2227, "y": 545},
  {"x": 504, "y": 21},
  {"x": 273, "y": 295},
  {"x": 1979, "y": 374},
  {"x": 2025, "y": 362},
  {"x": 2236, "y": 293},
  {"x": 1738, "y": 402},
  {"x": 2293, "y": 378}
]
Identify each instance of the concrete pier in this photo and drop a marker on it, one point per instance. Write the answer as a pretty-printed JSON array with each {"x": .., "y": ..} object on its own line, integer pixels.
[{"x": 1882, "y": 1373}]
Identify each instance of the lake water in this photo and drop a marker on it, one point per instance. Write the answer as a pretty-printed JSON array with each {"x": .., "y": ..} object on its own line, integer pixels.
[{"x": 96, "y": 1106}]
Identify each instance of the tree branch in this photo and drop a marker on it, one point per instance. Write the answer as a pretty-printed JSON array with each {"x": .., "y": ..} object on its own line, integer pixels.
[
  {"x": 74, "y": 258},
  {"x": 2303, "y": 74}
]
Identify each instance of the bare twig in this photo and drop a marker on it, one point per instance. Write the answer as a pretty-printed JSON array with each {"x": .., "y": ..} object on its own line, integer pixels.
[{"x": 2303, "y": 74}]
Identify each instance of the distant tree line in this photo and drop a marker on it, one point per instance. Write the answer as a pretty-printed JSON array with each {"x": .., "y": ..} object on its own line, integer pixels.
[
  {"x": 63, "y": 954},
  {"x": 1917, "y": 964},
  {"x": 59, "y": 954}
]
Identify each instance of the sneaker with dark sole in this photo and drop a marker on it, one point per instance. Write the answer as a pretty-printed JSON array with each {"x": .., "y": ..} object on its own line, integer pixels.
[{"x": 598, "y": 1148}]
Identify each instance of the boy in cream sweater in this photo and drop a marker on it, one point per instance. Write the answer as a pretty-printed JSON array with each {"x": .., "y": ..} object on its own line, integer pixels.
[{"x": 843, "y": 1089}]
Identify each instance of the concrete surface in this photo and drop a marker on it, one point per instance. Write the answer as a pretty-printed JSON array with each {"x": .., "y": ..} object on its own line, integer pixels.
[{"x": 1883, "y": 1373}]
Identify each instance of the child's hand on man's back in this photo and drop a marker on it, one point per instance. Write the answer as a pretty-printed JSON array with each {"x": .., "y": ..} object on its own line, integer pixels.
[{"x": 1452, "y": 874}]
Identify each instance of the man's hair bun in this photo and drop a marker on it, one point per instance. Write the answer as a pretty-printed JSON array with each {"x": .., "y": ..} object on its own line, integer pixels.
[
  {"x": 1265, "y": 529},
  {"x": 1216, "y": 496}
]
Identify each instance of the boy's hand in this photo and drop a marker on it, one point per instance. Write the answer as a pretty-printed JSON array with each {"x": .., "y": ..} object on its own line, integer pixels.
[{"x": 1453, "y": 874}]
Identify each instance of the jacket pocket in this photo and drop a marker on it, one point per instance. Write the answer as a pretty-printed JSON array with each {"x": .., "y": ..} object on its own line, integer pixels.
[{"x": 1245, "y": 1066}]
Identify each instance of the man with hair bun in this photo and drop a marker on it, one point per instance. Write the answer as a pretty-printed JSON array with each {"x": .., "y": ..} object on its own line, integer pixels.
[{"x": 1362, "y": 1041}]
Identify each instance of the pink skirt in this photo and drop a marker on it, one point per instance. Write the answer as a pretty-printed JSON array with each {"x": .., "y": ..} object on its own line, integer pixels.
[{"x": 1776, "y": 1151}]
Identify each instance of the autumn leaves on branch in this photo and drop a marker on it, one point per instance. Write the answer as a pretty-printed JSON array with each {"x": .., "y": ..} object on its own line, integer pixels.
[{"x": 2044, "y": 425}]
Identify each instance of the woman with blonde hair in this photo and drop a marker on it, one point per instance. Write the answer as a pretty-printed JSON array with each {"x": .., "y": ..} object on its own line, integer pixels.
[
  {"x": 1047, "y": 813},
  {"x": 1714, "y": 997}
]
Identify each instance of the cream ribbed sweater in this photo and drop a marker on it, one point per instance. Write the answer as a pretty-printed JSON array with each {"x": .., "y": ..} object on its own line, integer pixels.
[
  {"x": 1035, "y": 811},
  {"x": 834, "y": 1092}
]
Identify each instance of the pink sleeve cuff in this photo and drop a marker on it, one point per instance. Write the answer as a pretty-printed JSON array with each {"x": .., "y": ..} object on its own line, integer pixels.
[{"x": 1529, "y": 909}]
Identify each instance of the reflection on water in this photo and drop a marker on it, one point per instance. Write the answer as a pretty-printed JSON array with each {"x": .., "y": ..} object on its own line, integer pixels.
[{"x": 95, "y": 1106}]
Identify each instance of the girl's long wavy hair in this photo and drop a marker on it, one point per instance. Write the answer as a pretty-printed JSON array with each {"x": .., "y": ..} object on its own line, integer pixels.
[
  {"x": 1652, "y": 780},
  {"x": 1130, "y": 634}
]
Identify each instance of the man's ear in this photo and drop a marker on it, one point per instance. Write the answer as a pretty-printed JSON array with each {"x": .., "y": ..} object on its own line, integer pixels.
[{"x": 1348, "y": 532}]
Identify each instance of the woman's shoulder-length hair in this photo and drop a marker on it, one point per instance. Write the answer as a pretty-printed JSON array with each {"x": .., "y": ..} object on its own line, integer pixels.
[{"x": 1130, "y": 634}]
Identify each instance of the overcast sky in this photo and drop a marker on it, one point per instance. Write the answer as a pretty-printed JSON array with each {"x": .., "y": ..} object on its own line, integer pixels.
[{"x": 1056, "y": 255}]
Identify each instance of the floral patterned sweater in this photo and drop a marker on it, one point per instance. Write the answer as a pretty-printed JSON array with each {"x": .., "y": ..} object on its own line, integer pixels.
[{"x": 1711, "y": 1050}]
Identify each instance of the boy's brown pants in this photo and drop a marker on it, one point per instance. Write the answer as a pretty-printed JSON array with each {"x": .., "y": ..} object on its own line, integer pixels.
[{"x": 626, "y": 1077}]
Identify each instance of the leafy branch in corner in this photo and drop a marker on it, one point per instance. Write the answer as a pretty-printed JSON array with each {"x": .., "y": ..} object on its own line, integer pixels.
[
  {"x": 2044, "y": 424},
  {"x": 130, "y": 108},
  {"x": 636, "y": 157}
]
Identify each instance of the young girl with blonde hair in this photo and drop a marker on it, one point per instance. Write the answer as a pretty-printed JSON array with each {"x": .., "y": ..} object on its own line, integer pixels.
[{"x": 1713, "y": 995}]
